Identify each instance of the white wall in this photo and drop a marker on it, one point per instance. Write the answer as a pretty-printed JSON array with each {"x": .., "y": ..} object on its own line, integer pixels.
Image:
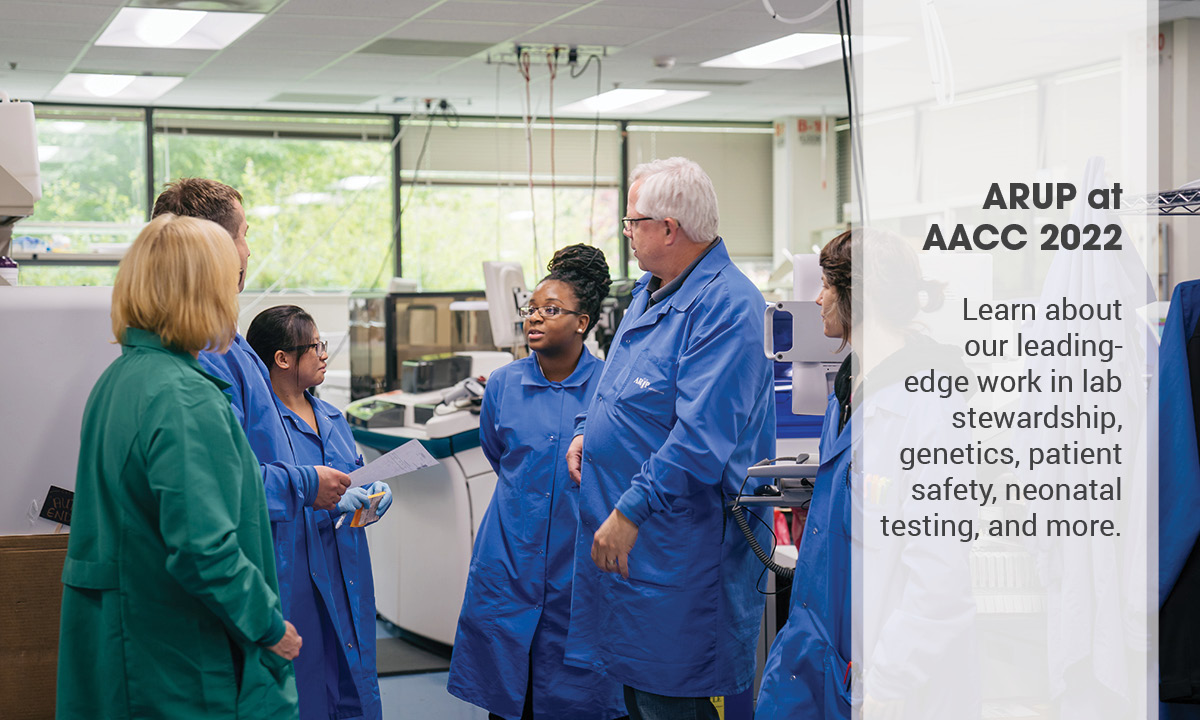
[
  {"x": 1179, "y": 143},
  {"x": 805, "y": 183}
]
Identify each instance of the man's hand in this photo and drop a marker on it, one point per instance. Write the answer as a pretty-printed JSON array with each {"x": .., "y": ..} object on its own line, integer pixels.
[
  {"x": 331, "y": 485},
  {"x": 612, "y": 543},
  {"x": 575, "y": 458},
  {"x": 288, "y": 646}
]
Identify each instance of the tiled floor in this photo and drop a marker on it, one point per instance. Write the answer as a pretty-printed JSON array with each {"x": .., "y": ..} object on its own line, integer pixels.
[{"x": 423, "y": 697}]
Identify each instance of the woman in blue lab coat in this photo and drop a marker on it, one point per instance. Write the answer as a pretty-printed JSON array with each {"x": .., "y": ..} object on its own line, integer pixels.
[
  {"x": 800, "y": 679},
  {"x": 508, "y": 652},
  {"x": 334, "y": 611},
  {"x": 917, "y": 627}
]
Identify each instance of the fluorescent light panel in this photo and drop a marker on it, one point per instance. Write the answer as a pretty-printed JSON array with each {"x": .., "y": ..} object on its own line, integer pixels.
[
  {"x": 176, "y": 29},
  {"x": 798, "y": 51},
  {"x": 89, "y": 86},
  {"x": 631, "y": 101}
]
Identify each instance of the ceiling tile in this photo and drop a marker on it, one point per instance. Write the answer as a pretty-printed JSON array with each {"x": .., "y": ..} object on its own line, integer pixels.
[
  {"x": 466, "y": 32},
  {"x": 23, "y": 49},
  {"x": 23, "y": 10},
  {"x": 380, "y": 10},
  {"x": 382, "y": 66},
  {"x": 341, "y": 45},
  {"x": 280, "y": 24},
  {"x": 144, "y": 59},
  {"x": 81, "y": 34},
  {"x": 642, "y": 16},
  {"x": 588, "y": 35},
  {"x": 494, "y": 11}
]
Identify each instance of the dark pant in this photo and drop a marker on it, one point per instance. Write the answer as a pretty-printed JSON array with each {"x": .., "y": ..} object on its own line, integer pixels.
[
  {"x": 644, "y": 705},
  {"x": 527, "y": 712}
]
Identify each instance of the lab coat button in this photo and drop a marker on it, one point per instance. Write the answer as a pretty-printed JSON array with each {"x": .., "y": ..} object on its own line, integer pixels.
[
  {"x": 350, "y": 645},
  {"x": 814, "y": 531}
]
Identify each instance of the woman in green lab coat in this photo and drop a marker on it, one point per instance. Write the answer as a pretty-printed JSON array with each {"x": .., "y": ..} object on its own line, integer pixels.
[{"x": 170, "y": 601}]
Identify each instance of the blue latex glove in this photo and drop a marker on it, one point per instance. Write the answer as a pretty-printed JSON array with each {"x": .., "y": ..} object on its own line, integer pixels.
[
  {"x": 380, "y": 486},
  {"x": 355, "y": 498}
]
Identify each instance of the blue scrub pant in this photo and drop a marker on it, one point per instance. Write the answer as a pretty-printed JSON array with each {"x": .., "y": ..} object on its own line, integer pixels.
[{"x": 644, "y": 705}]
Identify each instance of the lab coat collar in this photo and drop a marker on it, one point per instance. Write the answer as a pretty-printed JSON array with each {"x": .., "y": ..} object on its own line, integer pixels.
[
  {"x": 713, "y": 262},
  {"x": 138, "y": 338},
  {"x": 322, "y": 411},
  {"x": 583, "y": 371}
]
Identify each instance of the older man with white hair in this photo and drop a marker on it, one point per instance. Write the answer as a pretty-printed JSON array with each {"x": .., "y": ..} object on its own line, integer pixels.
[{"x": 664, "y": 596}]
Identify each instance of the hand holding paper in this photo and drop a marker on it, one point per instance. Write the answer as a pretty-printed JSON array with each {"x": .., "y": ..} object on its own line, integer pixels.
[{"x": 372, "y": 497}]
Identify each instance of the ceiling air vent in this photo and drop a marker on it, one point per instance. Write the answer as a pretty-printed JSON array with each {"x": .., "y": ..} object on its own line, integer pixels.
[
  {"x": 684, "y": 82},
  {"x": 424, "y": 48},
  {"x": 323, "y": 99}
]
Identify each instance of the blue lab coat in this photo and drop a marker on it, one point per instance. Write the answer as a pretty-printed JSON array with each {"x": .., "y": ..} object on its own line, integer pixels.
[
  {"x": 684, "y": 406},
  {"x": 518, "y": 600},
  {"x": 807, "y": 673},
  {"x": 1178, "y": 461},
  {"x": 290, "y": 487},
  {"x": 330, "y": 587}
]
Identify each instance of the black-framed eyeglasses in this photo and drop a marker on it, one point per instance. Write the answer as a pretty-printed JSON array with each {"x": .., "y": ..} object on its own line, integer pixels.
[
  {"x": 322, "y": 348},
  {"x": 627, "y": 222},
  {"x": 546, "y": 311}
]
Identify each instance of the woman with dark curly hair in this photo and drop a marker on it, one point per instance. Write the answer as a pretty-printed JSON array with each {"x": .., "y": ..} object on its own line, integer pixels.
[{"x": 508, "y": 652}]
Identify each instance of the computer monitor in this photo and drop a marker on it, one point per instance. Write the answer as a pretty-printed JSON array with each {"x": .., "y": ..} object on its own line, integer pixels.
[{"x": 504, "y": 285}]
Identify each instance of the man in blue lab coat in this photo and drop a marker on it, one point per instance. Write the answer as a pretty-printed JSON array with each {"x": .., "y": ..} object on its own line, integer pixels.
[{"x": 664, "y": 597}]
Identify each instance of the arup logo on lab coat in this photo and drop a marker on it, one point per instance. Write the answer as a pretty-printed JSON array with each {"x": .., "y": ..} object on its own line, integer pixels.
[{"x": 642, "y": 382}]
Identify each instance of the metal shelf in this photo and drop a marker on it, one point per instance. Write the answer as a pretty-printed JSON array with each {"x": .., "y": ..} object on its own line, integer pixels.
[{"x": 1169, "y": 202}]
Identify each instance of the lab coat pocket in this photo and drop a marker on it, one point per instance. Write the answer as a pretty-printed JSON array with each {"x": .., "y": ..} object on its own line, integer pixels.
[
  {"x": 279, "y": 667},
  {"x": 662, "y": 554},
  {"x": 838, "y": 677},
  {"x": 90, "y": 575},
  {"x": 649, "y": 390}
]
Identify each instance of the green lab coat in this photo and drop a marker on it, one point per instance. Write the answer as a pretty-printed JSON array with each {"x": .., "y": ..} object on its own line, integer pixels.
[{"x": 170, "y": 557}]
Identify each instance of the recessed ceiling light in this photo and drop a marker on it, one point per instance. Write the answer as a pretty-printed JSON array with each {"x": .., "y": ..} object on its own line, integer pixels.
[
  {"x": 176, "y": 29},
  {"x": 90, "y": 86},
  {"x": 106, "y": 85},
  {"x": 632, "y": 101},
  {"x": 797, "y": 51}
]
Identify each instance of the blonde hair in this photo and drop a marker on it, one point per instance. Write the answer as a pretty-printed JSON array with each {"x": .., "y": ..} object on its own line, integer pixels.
[{"x": 179, "y": 280}]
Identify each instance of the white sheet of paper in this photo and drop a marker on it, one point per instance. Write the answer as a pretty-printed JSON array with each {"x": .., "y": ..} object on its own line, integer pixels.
[{"x": 407, "y": 458}]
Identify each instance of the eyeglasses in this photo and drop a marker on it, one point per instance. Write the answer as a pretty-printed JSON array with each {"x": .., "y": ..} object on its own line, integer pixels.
[
  {"x": 546, "y": 311},
  {"x": 628, "y": 222},
  {"x": 322, "y": 348}
]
